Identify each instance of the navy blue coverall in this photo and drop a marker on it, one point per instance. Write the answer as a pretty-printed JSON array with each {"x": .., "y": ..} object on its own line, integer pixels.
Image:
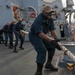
[
  {"x": 17, "y": 27},
  {"x": 41, "y": 24},
  {"x": 10, "y": 30},
  {"x": 1, "y": 36},
  {"x": 5, "y": 30}
]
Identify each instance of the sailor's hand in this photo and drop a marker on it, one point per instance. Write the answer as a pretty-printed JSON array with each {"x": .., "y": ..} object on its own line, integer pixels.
[
  {"x": 57, "y": 39},
  {"x": 55, "y": 44}
]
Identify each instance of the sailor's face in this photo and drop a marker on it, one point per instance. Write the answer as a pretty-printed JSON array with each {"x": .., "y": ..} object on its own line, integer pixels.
[
  {"x": 20, "y": 21},
  {"x": 13, "y": 22},
  {"x": 48, "y": 15},
  {"x": 7, "y": 24}
]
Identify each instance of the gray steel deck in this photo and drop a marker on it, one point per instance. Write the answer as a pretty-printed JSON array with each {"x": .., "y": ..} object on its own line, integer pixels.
[{"x": 23, "y": 62}]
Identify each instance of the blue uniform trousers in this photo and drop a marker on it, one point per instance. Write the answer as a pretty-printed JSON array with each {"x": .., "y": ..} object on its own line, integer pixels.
[
  {"x": 11, "y": 40},
  {"x": 11, "y": 37},
  {"x": 41, "y": 47},
  {"x": 1, "y": 38},
  {"x": 17, "y": 36},
  {"x": 6, "y": 37}
]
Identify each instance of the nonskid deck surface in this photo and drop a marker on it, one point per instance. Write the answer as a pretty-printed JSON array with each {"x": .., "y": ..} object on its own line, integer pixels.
[{"x": 23, "y": 62}]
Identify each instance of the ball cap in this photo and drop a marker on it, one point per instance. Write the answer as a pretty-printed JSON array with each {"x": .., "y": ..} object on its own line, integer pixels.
[
  {"x": 13, "y": 21},
  {"x": 47, "y": 9},
  {"x": 20, "y": 19}
]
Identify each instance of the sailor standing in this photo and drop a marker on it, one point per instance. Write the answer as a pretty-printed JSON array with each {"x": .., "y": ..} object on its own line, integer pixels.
[{"x": 17, "y": 27}]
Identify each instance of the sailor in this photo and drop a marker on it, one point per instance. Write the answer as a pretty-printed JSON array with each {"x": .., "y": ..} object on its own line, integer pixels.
[
  {"x": 5, "y": 30},
  {"x": 1, "y": 36},
  {"x": 42, "y": 24},
  {"x": 10, "y": 30},
  {"x": 17, "y": 27}
]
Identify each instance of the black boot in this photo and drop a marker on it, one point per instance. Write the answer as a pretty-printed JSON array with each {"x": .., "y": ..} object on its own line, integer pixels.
[
  {"x": 21, "y": 47},
  {"x": 10, "y": 45},
  {"x": 5, "y": 43},
  {"x": 39, "y": 69},
  {"x": 0, "y": 42},
  {"x": 15, "y": 51},
  {"x": 50, "y": 67}
]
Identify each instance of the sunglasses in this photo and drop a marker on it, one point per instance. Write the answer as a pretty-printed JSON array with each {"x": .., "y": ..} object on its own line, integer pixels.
[{"x": 49, "y": 13}]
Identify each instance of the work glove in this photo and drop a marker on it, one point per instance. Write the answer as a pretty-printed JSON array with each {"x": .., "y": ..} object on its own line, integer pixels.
[{"x": 55, "y": 44}]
